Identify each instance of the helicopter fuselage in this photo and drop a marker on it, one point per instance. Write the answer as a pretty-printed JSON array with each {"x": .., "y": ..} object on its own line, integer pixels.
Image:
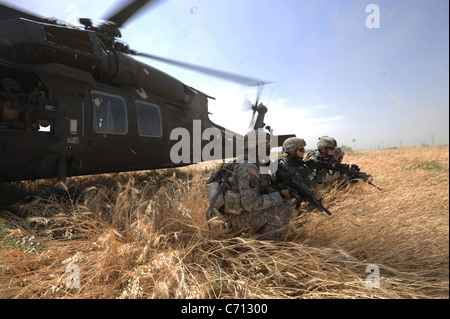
[{"x": 69, "y": 107}]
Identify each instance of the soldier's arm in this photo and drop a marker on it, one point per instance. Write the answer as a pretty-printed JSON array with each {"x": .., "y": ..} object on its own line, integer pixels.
[{"x": 248, "y": 183}]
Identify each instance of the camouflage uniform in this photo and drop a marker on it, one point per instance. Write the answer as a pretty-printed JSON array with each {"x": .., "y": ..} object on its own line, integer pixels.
[
  {"x": 252, "y": 207},
  {"x": 324, "y": 176},
  {"x": 339, "y": 154},
  {"x": 296, "y": 165},
  {"x": 293, "y": 161}
]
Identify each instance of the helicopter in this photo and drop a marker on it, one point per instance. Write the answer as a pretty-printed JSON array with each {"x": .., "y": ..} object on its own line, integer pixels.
[{"x": 74, "y": 101}]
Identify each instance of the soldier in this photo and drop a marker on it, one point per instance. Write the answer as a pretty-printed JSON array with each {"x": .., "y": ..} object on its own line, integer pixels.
[
  {"x": 325, "y": 153},
  {"x": 339, "y": 154},
  {"x": 251, "y": 205},
  {"x": 294, "y": 148},
  {"x": 103, "y": 119}
]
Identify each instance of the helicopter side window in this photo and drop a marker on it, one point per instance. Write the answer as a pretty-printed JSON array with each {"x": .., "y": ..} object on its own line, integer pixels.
[
  {"x": 148, "y": 119},
  {"x": 109, "y": 113}
]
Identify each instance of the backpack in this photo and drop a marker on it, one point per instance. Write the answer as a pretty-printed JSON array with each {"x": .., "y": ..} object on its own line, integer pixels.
[{"x": 216, "y": 186}]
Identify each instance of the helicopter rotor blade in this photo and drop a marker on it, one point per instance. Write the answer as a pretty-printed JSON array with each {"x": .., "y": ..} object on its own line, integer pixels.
[
  {"x": 258, "y": 94},
  {"x": 252, "y": 121},
  {"x": 216, "y": 73},
  {"x": 255, "y": 108},
  {"x": 246, "y": 105},
  {"x": 121, "y": 16}
]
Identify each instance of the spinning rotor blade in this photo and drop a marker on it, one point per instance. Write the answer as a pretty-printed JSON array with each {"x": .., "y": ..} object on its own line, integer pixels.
[
  {"x": 252, "y": 122},
  {"x": 246, "y": 105},
  {"x": 125, "y": 13},
  {"x": 258, "y": 94},
  {"x": 220, "y": 74},
  {"x": 261, "y": 110}
]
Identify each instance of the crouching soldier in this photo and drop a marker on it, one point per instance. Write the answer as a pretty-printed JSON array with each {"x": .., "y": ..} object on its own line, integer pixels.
[
  {"x": 294, "y": 148},
  {"x": 324, "y": 154},
  {"x": 252, "y": 205}
]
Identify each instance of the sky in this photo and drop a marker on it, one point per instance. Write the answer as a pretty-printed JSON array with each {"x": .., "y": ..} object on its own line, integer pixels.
[{"x": 371, "y": 73}]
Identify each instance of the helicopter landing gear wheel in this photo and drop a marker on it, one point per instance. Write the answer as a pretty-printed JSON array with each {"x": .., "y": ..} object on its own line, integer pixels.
[{"x": 61, "y": 191}]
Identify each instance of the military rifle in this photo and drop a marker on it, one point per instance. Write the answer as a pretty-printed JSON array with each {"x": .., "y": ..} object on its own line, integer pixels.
[
  {"x": 353, "y": 171},
  {"x": 287, "y": 179}
]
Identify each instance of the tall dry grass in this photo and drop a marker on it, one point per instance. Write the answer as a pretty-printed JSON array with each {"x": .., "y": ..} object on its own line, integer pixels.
[{"x": 144, "y": 235}]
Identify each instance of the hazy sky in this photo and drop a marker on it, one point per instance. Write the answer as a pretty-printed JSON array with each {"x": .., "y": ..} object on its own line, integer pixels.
[{"x": 331, "y": 74}]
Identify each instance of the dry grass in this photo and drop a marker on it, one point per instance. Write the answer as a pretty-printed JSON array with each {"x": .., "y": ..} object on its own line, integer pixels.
[{"x": 144, "y": 235}]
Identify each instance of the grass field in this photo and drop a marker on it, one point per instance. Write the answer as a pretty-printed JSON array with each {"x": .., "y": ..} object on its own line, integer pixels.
[{"x": 144, "y": 235}]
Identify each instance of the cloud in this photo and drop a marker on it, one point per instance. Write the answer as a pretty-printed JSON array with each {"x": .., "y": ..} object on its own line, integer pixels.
[{"x": 308, "y": 122}]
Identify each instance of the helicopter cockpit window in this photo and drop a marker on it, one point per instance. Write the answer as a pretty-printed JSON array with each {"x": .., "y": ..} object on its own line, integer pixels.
[
  {"x": 109, "y": 113},
  {"x": 148, "y": 119}
]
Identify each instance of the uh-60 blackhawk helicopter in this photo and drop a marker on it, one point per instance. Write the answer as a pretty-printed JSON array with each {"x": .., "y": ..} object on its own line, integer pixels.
[{"x": 73, "y": 101}]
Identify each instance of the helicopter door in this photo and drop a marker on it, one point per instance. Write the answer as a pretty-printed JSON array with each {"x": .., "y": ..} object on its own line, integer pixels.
[{"x": 107, "y": 143}]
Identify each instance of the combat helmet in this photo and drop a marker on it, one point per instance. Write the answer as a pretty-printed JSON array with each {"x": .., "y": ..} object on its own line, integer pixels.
[
  {"x": 326, "y": 141},
  {"x": 292, "y": 143},
  {"x": 339, "y": 151}
]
